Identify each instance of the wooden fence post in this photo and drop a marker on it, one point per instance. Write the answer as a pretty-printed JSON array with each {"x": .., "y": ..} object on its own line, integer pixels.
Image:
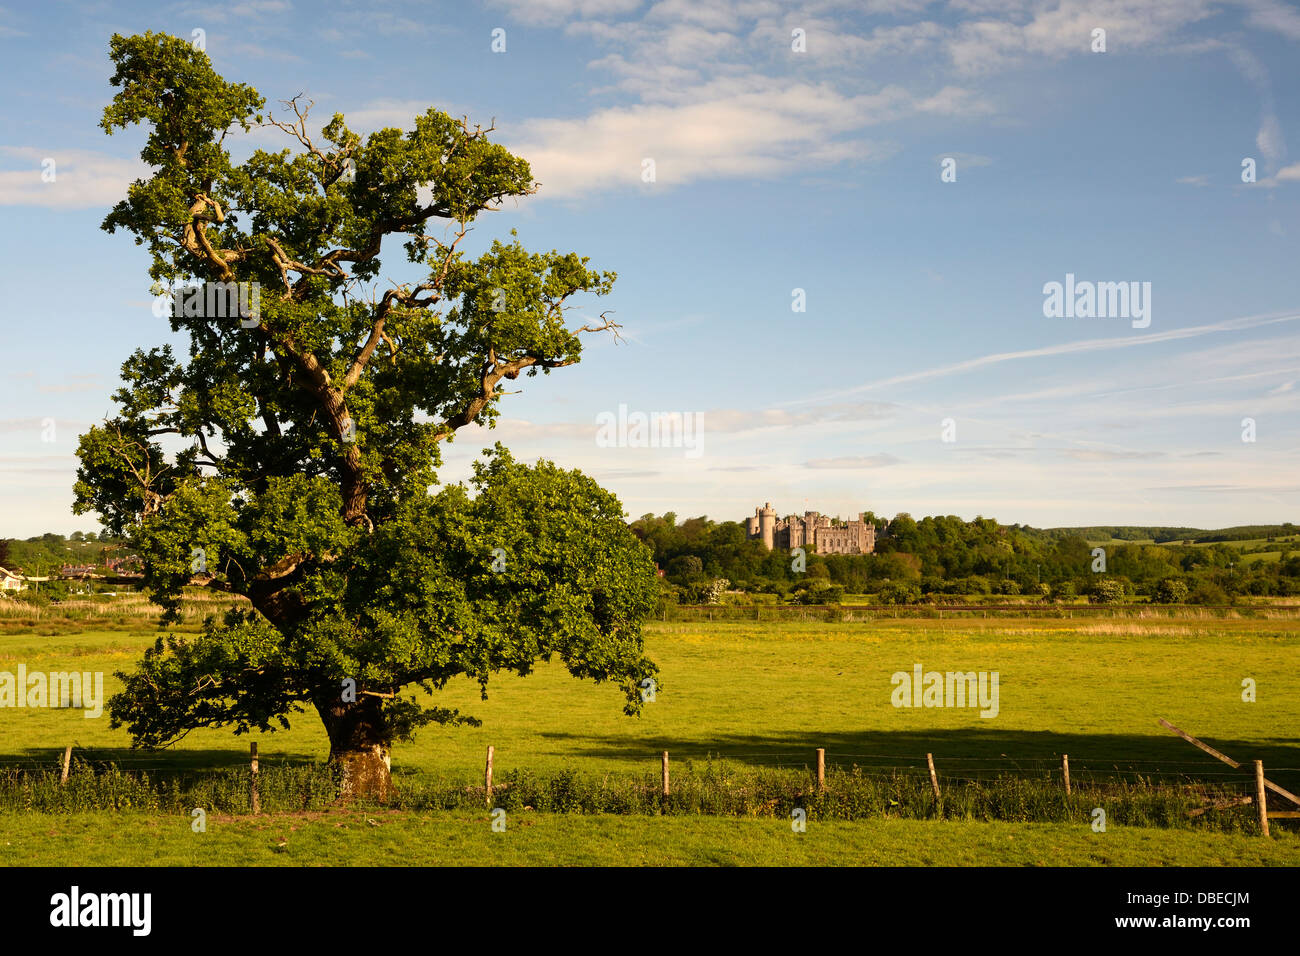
[
  {"x": 821, "y": 768},
  {"x": 256, "y": 797},
  {"x": 1260, "y": 797},
  {"x": 665, "y": 774},
  {"x": 67, "y": 762},
  {"x": 1228, "y": 760},
  {"x": 487, "y": 775},
  {"x": 934, "y": 777},
  {"x": 1065, "y": 772}
]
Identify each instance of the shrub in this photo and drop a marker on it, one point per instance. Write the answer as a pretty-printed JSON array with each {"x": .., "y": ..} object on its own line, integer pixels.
[
  {"x": 1170, "y": 591},
  {"x": 819, "y": 592},
  {"x": 899, "y": 593},
  {"x": 1207, "y": 592},
  {"x": 1107, "y": 591}
]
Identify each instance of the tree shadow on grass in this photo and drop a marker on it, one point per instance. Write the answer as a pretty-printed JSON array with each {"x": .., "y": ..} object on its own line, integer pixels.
[
  {"x": 165, "y": 761},
  {"x": 973, "y": 753}
]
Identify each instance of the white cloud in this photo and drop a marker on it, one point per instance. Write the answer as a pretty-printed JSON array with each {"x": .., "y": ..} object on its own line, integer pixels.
[
  {"x": 1269, "y": 139},
  {"x": 783, "y": 128},
  {"x": 1056, "y": 30},
  {"x": 829, "y": 43},
  {"x": 82, "y": 178},
  {"x": 1273, "y": 16},
  {"x": 1100, "y": 454},
  {"x": 553, "y": 12},
  {"x": 384, "y": 113},
  {"x": 855, "y": 463},
  {"x": 250, "y": 9}
]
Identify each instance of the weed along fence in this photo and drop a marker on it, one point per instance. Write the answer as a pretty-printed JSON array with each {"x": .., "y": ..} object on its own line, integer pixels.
[
  {"x": 818, "y": 783},
  {"x": 1262, "y": 785},
  {"x": 964, "y": 795}
]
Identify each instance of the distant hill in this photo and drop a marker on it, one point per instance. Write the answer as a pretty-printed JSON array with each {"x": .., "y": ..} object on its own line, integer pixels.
[{"x": 1163, "y": 535}]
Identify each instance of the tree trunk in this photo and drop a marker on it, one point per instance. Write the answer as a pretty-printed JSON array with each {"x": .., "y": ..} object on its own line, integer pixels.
[{"x": 358, "y": 746}]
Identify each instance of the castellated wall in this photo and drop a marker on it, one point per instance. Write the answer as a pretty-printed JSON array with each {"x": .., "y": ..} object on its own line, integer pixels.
[{"x": 814, "y": 532}]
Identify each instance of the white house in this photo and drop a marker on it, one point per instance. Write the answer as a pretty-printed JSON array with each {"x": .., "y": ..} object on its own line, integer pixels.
[{"x": 10, "y": 581}]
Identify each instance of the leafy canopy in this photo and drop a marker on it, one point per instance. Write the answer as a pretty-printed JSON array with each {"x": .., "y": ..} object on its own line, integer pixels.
[{"x": 307, "y": 437}]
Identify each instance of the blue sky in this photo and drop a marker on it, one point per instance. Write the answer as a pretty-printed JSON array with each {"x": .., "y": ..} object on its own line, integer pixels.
[{"x": 775, "y": 170}]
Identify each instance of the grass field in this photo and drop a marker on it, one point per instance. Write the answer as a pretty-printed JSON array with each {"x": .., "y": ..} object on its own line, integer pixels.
[
  {"x": 767, "y": 695},
  {"x": 771, "y": 694},
  {"x": 1261, "y": 549},
  {"x": 539, "y": 839}
]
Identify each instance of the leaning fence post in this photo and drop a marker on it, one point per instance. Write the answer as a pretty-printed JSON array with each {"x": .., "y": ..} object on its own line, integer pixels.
[
  {"x": 821, "y": 768},
  {"x": 934, "y": 777},
  {"x": 1260, "y": 797},
  {"x": 67, "y": 762},
  {"x": 253, "y": 794},
  {"x": 665, "y": 776},
  {"x": 487, "y": 775},
  {"x": 1065, "y": 772}
]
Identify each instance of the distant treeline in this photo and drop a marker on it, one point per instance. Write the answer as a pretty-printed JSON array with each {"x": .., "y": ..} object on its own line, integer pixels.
[
  {"x": 948, "y": 556},
  {"x": 914, "y": 560},
  {"x": 1161, "y": 535},
  {"x": 44, "y": 555},
  {"x": 37, "y": 555}
]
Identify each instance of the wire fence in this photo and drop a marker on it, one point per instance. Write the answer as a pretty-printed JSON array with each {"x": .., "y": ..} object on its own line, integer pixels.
[
  {"x": 748, "y": 782},
  {"x": 955, "y": 767}
]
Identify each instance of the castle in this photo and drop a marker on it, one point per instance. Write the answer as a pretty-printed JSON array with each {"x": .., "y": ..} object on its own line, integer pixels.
[{"x": 813, "y": 531}]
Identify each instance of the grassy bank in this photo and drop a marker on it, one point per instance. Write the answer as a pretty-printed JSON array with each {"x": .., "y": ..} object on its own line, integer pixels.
[{"x": 539, "y": 839}]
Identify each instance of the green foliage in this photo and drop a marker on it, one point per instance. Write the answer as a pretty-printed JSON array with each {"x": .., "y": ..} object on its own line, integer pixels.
[
  {"x": 1207, "y": 592},
  {"x": 42, "y": 593},
  {"x": 818, "y": 592},
  {"x": 948, "y": 556},
  {"x": 1107, "y": 591},
  {"x": 44, "y": 554},
  {"x": 899, "y": 593},
  {"x": 419, "y": 601},
  {"x": 1170, "y": 591}
]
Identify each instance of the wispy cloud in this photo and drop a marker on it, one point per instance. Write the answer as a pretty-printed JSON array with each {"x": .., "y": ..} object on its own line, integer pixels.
[
  {"x": 854, "y": 462},
  {"x": 554, "y": 12},
  {"x": 1068, "y": 348},
  {"x": 82, "y": 178},
  {"x": 772, "y": 129}
]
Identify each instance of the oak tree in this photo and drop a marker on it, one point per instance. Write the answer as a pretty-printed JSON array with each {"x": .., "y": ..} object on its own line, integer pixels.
[{"x": 291, "y": 455}]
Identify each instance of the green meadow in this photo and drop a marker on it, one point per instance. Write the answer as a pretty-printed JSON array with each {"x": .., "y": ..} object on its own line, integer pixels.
[
  {"x": 770, "y": 694},
  {"x": 760, "y": 696}
]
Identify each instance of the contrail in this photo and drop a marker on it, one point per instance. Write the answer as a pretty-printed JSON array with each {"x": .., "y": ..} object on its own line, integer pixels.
[{"x": 1066, "y": 348}]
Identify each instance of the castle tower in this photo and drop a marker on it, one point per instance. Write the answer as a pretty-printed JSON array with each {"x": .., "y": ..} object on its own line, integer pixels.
[{"x": 767, "y": 525}]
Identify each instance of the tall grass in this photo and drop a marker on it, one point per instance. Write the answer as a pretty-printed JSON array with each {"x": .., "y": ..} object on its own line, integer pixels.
[
  {"x": 833, "y": 613},
  {"x": 103, "y": 612}
]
